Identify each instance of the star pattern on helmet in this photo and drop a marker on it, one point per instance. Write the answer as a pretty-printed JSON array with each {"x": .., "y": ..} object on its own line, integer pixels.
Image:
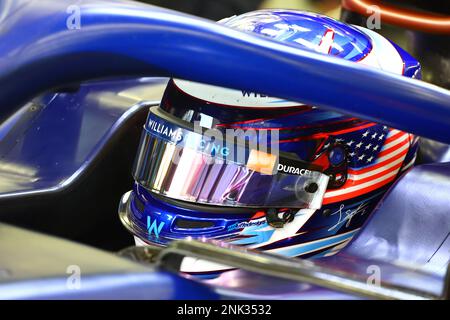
[{"x": 364, "y": 145}]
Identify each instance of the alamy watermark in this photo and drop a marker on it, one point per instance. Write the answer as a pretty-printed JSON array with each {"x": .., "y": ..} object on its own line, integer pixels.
[
  {"x": 73, "y": 21},
  {"x": 374, "y": 278},
  {"x": 374, "y": 18},
  {"x": 73, "y": 281},
  {"x": 213, "y": 146}
]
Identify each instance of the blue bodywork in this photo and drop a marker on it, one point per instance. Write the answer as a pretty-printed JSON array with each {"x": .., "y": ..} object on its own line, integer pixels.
[
  {"x": 75, "y": 124},
  {"x": 47, "y": 144}
]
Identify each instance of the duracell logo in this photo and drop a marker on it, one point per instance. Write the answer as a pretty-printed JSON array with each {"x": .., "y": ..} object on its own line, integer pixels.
[{"x": 293, "y": 170}]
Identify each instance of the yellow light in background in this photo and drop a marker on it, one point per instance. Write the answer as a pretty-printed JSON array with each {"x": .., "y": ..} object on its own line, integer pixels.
[{"x": 330, "y": 8}]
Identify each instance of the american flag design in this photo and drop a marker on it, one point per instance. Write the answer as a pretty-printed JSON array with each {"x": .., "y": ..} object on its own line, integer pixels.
[{"x": 375, "y": 156}]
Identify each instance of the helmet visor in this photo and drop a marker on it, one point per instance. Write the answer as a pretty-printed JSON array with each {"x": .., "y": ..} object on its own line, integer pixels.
[{"x": 183, "y": 163}]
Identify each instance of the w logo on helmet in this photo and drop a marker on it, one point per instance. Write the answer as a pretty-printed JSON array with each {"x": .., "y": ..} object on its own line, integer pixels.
[{"x": 154, "y": 227}]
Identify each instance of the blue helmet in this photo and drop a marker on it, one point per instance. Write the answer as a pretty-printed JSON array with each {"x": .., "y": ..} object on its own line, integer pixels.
[{"x": 263, "y": 172}]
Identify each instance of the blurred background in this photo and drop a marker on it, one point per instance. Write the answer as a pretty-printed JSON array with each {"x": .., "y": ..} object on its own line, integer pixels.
[{"x": 218, "y": 9}]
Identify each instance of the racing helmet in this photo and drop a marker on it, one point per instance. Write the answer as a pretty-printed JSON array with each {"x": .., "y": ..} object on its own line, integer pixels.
[{"x": 263, "y": 172}]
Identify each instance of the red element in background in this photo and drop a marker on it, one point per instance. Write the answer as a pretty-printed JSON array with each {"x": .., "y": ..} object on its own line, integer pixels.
[{"x": 407, "y": 18}]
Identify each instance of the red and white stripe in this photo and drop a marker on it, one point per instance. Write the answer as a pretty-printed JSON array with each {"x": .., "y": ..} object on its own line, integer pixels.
[
  {"x": 378, "y": 174},
  {"x": 326, "y": 43}
]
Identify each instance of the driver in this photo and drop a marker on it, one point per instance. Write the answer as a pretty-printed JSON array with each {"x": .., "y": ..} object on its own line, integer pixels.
[{"x": 263, "y": 172}]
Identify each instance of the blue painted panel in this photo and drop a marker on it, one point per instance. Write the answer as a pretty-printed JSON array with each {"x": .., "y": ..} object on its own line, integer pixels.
[{"x": 50, "y": 141}]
